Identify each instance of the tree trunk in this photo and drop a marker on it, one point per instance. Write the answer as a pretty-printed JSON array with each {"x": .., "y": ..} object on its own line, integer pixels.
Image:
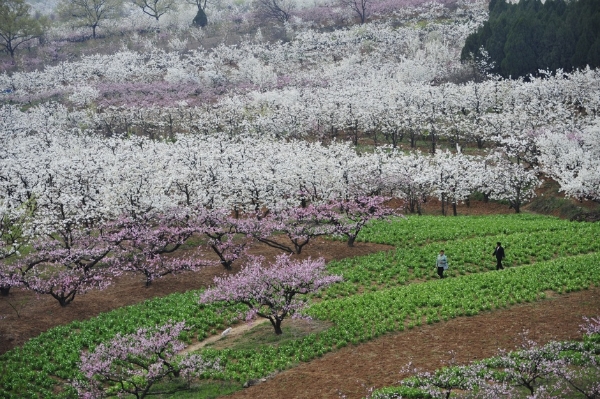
[
  {"x": 517, "y": 202},
  {"x": 412, "y": 204},
  {"x": 200, "y": 19},
  {"x": 443, "y": 205},
  {"x": 276, "y": 323},
  {"x": 4, "y": 289},
  {"x": 64, "y": 300},
  {"x": 298, "y": 245},
  {"x": 517, "y": 207},
  {"x": 226, "y": 263},
  {"x": 351, "y": 239}
]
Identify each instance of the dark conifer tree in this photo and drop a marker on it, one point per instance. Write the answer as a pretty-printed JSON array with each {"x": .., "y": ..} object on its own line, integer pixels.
[{"x": 529, "y": 36}]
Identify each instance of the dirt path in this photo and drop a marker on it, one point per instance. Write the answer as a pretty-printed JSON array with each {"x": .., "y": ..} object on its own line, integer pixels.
[
  {"x": 352, "y": 370},
  {"x": 229, "y": 332}
]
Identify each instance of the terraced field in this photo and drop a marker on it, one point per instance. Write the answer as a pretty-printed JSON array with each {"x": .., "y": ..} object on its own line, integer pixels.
[{"x": 384, "y": 295}]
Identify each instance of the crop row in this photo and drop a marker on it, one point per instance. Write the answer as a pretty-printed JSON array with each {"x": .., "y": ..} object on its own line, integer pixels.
[
  {"x": 420, "y": 230},
  {"x": 42, "y": 366},
  {"x": 363, "y": 317},
  {"x": 32, "y": 371},
  {"x": 35, "y": 369},
  {"x": 397, "y": 267}
]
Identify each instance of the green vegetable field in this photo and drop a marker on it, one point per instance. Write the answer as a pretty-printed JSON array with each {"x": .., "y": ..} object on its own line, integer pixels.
[{"x": 382, "y": 293}]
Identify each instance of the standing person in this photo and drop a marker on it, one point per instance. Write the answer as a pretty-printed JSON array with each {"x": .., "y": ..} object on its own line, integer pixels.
[
  {"x": 499, "y": 254},
  {"x": 441, "y": 263}
]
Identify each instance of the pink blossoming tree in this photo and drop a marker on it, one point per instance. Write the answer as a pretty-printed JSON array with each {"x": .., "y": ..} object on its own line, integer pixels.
[
  {"x": 356, "y": 212},
  {"x": 271, "y": 291},
  {"x": 150, "y": 244},
  {"x": 299, "y": 224},
  {"x": 69, "y": 262},
  {"x": 228, "y": 237},
  {"x": 554, "y": 370},
  {"x": 132, "y": 364}
]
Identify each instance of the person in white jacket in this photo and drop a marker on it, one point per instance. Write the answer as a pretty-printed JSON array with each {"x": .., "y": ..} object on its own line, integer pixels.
[{"x": 441, "y": 263}]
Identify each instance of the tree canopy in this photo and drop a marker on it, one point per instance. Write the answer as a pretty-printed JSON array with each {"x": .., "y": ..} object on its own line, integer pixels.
[
  {"x": 529, "y": 36},
  {"x": 17, "y": 26},
  {"x": 89, "y": 13}
]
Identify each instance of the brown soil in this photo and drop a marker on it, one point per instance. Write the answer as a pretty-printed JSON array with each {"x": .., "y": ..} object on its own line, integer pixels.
[
  {"x": 352, "y": 370},
  {"x": 27, "y": 315}
]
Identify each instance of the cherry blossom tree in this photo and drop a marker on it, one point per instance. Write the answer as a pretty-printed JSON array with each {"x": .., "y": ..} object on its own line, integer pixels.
[
  {"x": 271, "y": 291},
  {"x": 571, "y": 158},
  {"x": 12, "y": 239},
  {"x": 441, "y": 383},
  {"x": 132, "y": 364},
  {"x": 455, "y": 178},
  {"x": 530, "y": 366},
  {"x": 356, "y": 212},
  {"x": 512, "y": 182},
  {"x": 570, "y": 368},
  {"x": 150, "y": 243},
  {"x": 69, "y": 262},
  {"x": 228, "y": 237},
  {"x": 299, "y": 224}
]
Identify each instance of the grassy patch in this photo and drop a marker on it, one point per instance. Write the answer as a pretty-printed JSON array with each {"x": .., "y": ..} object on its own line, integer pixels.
[
  {"x": 204, "y": 389},
  {"x": 550, "y": 205},
  {"x": 263, "y": 334}
]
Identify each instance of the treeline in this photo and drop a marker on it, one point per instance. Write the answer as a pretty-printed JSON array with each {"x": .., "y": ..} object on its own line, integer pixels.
[{"x": 530, "y": 35}]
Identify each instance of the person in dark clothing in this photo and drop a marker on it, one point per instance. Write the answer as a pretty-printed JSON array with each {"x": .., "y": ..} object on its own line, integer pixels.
[
  {"x": 499, "y": 254},
  {"x": 441, "y": 263}
]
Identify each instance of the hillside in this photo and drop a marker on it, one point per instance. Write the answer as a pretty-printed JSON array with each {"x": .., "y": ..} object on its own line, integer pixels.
[{"x": 143, "y": 155}]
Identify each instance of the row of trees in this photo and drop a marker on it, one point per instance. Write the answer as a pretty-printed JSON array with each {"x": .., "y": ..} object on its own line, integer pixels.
[
  {"x": 19, "y": 25},
  {"x": 93, "y": 208},
  {"x": 78, "y": 178},
  {"x": 77, "y": 257},
  {"x": 403, "y": 54}
]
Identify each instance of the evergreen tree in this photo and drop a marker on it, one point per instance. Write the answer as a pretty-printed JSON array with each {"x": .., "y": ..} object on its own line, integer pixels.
[
  {"x": 520, "y": 57},
  {"x": 527, "y": 36}
]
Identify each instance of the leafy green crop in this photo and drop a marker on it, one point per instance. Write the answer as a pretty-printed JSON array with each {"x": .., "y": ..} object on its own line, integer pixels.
[
  {"x": 466, "y": 256},
  {"x": 32, "y": 370},
  {"x": 420, "y": 230}
]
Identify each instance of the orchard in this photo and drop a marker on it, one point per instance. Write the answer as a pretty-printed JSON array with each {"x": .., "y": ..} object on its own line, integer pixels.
[{"x": 161, "y": 139}]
